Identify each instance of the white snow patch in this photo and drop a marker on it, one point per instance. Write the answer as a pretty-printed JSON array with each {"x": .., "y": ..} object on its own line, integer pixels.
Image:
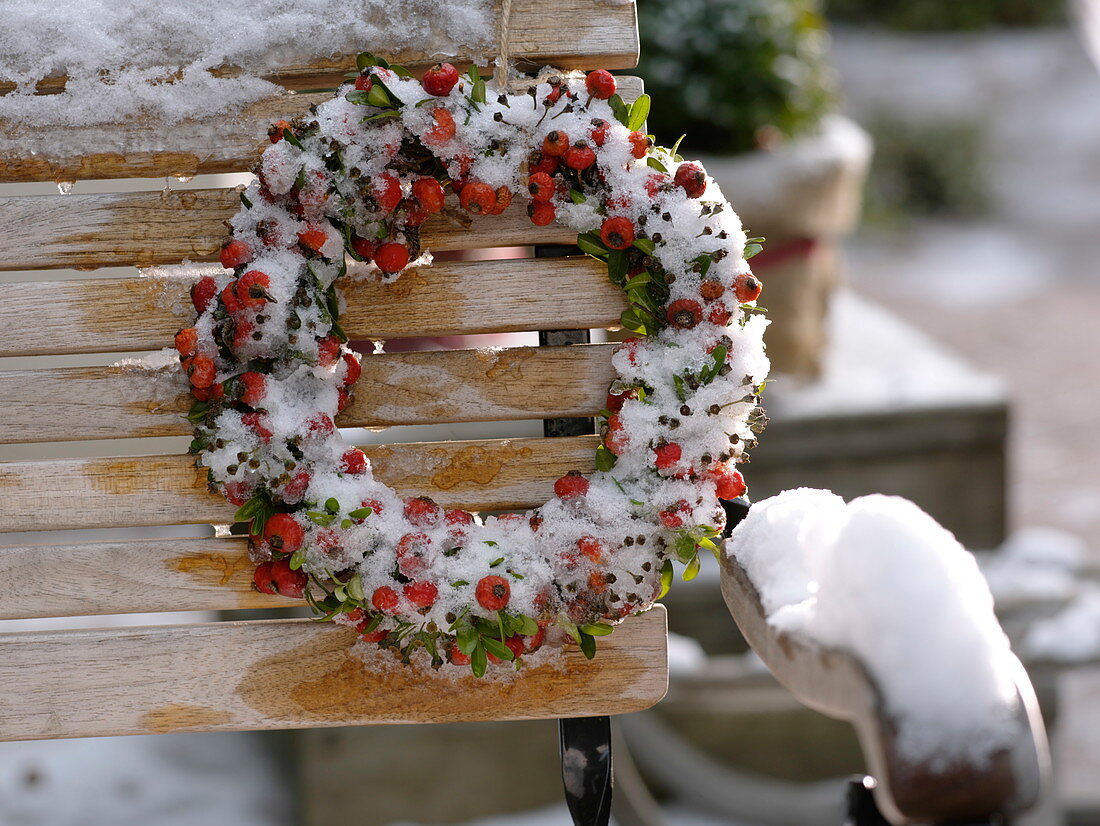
[
  {"x": 685, "y": 655},
  {"x": 1035, "y": 565},
  {"x": 880, "y": 578},
  {"x": 153, "y": 60},
  {"x": 1070, "y": 636}
]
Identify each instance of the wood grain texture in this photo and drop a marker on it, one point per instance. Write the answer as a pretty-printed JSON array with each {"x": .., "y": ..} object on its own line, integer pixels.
[
  {"x": 598, "y": 36},
  {"x": 223, "y": 145},
  {"x": 146, "y": 228},
  {"x": 491, "y": 474},
  {"x": 67, "y": 404},
  {"x": 293, "y": 674},
  {"x": 130, "y": 576},
  {"x": 448, "y": 298}
]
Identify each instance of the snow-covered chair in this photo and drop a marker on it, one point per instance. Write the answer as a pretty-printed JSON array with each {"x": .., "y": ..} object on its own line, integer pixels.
[{"x": 282, "y": 673}]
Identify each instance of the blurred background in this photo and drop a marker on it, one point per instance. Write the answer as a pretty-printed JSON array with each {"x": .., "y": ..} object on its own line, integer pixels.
[{"x": 927, "y": 176}]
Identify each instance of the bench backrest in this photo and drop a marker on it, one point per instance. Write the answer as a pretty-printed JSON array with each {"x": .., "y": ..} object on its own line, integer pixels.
[{"x": 281, "y": 673}]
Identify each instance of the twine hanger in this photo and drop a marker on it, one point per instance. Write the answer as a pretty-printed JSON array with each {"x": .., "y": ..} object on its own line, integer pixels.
[{"x": 500, "y": 73}]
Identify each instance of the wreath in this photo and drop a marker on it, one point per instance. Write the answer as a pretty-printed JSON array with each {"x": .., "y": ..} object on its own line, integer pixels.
[{"x": 342, "y": 193}]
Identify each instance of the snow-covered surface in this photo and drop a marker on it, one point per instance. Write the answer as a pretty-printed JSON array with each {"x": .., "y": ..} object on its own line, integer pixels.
[
  {"x": 685, "y": 655},
  {"x": 870, "y": 367},
  {"x": 118, "y": 54},
  {"x": 1072, "y": 635},
  {"x": 1035, "y": 565},
  {"x": 770, "y": 186},
  {"x": 166, "y": 780},
  {"x": 881, "y": 579}
]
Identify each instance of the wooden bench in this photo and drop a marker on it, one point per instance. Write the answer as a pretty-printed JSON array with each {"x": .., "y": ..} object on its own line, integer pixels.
[{"x": 283, "y": 673}]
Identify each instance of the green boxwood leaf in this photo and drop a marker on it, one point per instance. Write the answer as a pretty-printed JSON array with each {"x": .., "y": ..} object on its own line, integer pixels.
[
  {"x": 631, "y": 320},
  {"x": 354, "y": 587},
  {"x": 692, "y": 569},
  {"x": 527, "y": 626},
  {"x": 620, "y": 109},
  {"x": 478, "y": 661},
  {"x": 684, "y": 546},
  {"x": 639, "y": 111},
  {"x": 497, "y": 648},
  {"x": 597, "y": 629},
  {"x": 467, "y": 640},
  {"x": 667, "y": 572},
  {"x": 590, "y": 243},
  {"x": 570, "y": 628},
  {"x": 605, "y": 459},
  {"x": 588, "y": 645},
  {"x": 292, "y": 139}
]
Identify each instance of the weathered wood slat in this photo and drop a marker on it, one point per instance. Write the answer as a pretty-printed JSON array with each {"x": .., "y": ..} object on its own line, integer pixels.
[
  {"x": 132, "y": 576},
  {"x": 598, "y": 36},
  {"x": 293, "y": 674},
  {"x": 497, "y": 474},
  {"x": 146, "y": 228},
  {"x": 229, "y": 145},
  {"x": 68, "y": 404},
  {"x": 448, "y": 298}
]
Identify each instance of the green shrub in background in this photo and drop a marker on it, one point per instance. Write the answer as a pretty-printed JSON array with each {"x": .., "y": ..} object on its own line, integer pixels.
[
  {"x": 947, "y": 15},
  {"x": 732, "y": 74},
  {"x": 935, "y": 168}
]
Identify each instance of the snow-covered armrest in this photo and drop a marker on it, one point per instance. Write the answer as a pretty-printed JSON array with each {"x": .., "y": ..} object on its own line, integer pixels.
[{"x": 873, "y": 614}]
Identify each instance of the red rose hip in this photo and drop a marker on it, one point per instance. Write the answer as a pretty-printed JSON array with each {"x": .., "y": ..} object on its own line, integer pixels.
[
  {"x": 440, "y": 79},
  {"x": 571, "y": 486},
  {"x": 691, "y": 178},
  {"x": 747, "y": 287},
  {"x": 493, "y": 593},
  {"x": 617, "y": 233},
  {"x": 236, "y": 253},
  {"x": 284, "y": 533},
  {"x": 391, "y": 257},
  {"x": 421, "y": 594},
  {"x": 684, "y": 313},
  {"x": 600, "y": 84}
]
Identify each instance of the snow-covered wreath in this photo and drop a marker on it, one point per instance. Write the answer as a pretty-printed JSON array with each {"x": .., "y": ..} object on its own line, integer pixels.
[{"x": 269, "y": 366}]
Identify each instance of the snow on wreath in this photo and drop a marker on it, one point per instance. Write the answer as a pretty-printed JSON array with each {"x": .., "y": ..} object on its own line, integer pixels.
[{"x": 341, "y": 194}]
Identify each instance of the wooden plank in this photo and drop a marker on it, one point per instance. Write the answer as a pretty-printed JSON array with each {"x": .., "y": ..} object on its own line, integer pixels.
[
  {"x": 142, "y": 229},
  {"x": 293, "y": 674},
  {"x": 69, "y": 404},
  {"x": 448, "y": 298},
  {"x": 132, "y": 576},
  {"x": 492, "y": 474},
  {"x": 601, "y": 36},
  {"x": 226, "y": 145}
]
